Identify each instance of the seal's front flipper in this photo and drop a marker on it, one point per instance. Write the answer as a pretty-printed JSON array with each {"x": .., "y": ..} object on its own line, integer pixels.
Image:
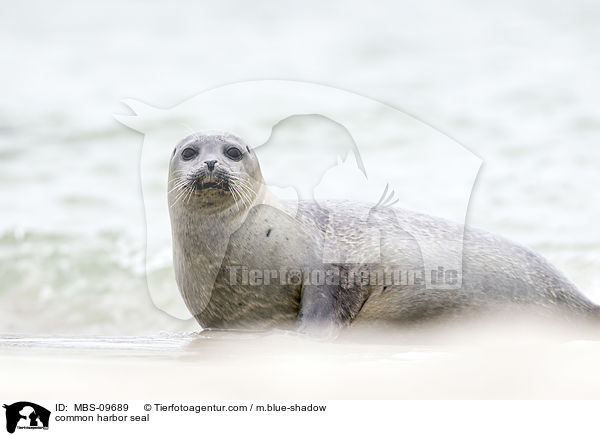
[
  {"x": 327, "y": 307},
  {"x": 318, "y": 314}
]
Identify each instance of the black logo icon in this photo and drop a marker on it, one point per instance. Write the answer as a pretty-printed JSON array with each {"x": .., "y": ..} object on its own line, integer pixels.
[{"x": 26, "y": 415}]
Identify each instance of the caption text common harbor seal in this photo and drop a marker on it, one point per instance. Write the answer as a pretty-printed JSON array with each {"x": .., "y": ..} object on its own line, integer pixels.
[{"x": 244, "y": 260}]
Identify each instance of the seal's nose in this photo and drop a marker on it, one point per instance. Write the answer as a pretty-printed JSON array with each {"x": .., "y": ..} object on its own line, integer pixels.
[{"x": 210, "y": 164}]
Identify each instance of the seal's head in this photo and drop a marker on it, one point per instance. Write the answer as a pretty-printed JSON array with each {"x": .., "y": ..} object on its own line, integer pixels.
[{"x": 213, "y": 170}]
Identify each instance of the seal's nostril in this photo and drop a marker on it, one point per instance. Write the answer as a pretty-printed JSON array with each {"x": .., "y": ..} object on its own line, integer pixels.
[{"x": 210, "y": 164}]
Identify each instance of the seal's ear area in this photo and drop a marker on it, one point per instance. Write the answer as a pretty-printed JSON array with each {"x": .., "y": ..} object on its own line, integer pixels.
[
  {"x": 143, "y": 115},
  {"x": 5, "y": 406}
]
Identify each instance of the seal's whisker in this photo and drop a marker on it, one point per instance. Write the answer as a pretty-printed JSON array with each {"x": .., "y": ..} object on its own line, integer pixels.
[
  {"x": 235, "y": 199},
  {"x": 248, "y": 189},
  {"x": 178, "y": 186},
  {"x": 176, "y": 200},
  {"x": 237, "y": 192},
  {"x": 177, "y": 178},
  {"x": 243, "y": 181},
  {"x": 244, "y": 190},
  {"x": 180, "y": 195},
  {"x": 247, "y": 195},
  {"x": 241, "y": 194},
  {"x": 192, "y": 191},
  {"x": 174, "y": 179},
  {"x": 181, "y": 192},
  {"x": 187, "y": 193}
]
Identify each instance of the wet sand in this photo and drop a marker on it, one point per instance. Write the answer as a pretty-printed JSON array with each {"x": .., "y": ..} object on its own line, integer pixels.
[{"x": 474, "y": 362}]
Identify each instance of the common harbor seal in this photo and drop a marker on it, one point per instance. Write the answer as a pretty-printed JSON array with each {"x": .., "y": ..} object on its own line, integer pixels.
[{"x": 244, "y": 259}]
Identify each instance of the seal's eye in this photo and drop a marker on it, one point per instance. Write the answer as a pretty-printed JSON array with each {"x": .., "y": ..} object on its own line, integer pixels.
[
  {"x": 234, "y": 153},
  {"x": 188, "y": 153}
]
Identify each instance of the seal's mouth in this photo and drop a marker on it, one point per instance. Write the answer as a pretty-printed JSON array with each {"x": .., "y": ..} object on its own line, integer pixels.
[
  {"x": 217, "y": 181},
  {"x": 212, "y": 186},
  {"x": 202, "y": 185}
]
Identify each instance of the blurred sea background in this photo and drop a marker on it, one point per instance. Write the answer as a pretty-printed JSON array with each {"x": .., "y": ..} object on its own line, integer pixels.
[{"x": 516, "y": 82}]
